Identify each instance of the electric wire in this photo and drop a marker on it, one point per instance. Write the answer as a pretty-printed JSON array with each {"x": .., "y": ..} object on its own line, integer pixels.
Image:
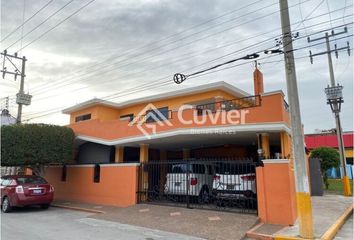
[
  {"x": 79, "y": 79},
  {"x": 294, "y": 50},
  {"x": 43, "y": 22},
  {"x": 229, "y": 67},
  {"x": 150, "y": 50},
  {"x": 27, "y": 20},
  {"x": 56, "y": 25},
  {"x": 118, "y": 96},
  {"x": 161, "y": 40},
  {"x": 231, "y": 53},
  {"x": 203, "y": 38}
]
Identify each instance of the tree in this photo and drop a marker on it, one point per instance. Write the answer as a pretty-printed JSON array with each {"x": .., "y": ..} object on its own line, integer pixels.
[
  {"x": 36, "y": 145},
  {"x": 329, "y": 158}
]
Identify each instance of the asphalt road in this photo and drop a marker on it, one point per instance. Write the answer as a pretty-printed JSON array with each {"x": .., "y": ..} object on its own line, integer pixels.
[
  {"x": 59, "y": 224},
  {"x": 346, "y": 232}
]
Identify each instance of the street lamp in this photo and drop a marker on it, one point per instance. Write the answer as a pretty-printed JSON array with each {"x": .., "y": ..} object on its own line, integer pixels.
[{"x": 335, "y": 99}]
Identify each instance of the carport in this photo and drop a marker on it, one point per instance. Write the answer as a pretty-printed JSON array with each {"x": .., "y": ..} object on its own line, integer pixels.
[{"x": 233, "y": 149}]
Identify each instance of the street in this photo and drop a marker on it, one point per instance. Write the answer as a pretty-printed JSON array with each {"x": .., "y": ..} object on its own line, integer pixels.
[
  {"x": 58, "y": 224},
  {"x": 346, "y": 232}
]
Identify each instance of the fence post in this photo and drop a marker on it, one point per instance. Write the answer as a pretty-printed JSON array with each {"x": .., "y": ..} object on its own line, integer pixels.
[
  {"x": 276, "y": 192},
  {"x": 187, "y": 182}
]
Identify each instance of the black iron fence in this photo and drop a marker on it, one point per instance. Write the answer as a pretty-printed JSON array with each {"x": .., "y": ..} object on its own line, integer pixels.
[
  {"x": 227, "y": 105},
  {"x": 216, "y": 184}
]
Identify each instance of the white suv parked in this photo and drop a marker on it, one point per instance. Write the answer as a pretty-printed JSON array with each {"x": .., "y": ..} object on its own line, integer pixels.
[
  {"x": 234, "y": 180},
  {"x": 190, "y": 179}
]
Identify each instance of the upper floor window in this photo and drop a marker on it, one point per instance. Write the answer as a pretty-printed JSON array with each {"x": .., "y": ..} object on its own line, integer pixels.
[
  {"x": 83, "y": 117},
  {"x": 159, "y": 114}
]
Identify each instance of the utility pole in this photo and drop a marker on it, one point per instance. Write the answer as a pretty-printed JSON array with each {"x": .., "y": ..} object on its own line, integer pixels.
[
  {"x": 335, "y": 98},
  {"x": 21, "y": 97},
  {"x": 303, "y": 198}
]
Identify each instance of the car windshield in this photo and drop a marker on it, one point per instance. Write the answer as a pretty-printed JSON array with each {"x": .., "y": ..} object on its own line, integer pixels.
[
  {"x": 31, "y": 180},
  {"x": 234, "y": 169},
  {"x": 188, "y": 168},
  {"x": 6, "y": 181}
]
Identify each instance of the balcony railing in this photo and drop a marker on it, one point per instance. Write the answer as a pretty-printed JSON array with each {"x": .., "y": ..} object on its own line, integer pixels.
[{"x": 233, "y": 104}]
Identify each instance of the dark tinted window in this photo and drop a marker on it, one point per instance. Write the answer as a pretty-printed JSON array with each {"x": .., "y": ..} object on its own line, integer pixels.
[
  {"x": 234, "y": 169},
  {"x": 31, "y": 180},
  {"x": 83, "y": 117},
  {"x": 63, "y": 174},
  {"x": 188, "y": 168},
  {"x": 97, "y": 173},
  {"x": 128, "y": 116},
  {"x": 160, "y": 114}
]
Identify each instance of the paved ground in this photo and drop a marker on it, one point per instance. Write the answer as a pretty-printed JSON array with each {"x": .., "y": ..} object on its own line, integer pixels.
[
  {"x": 346, "y": 232},
  {"x": 326, "y": 210},
  {"x": 194, "y": 222},
  {"x": 59, "y": 224}
]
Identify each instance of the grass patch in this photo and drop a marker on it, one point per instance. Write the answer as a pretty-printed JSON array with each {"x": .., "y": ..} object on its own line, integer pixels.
[{"x": 336, "y": 186}]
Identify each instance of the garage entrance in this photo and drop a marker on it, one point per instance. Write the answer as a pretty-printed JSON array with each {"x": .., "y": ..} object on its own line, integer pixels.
[{"x": 215, "y": 184}]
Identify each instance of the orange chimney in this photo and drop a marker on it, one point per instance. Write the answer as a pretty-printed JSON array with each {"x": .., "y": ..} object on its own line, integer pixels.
[{"x": 258, "y": 82}]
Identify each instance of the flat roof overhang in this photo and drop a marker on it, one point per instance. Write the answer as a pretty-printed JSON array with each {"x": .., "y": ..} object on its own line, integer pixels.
[{"x": 198, "y": 137}]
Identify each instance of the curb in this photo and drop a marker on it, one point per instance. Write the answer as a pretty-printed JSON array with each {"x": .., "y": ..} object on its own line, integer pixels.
[
  {"x": 288, "y": 238},
  {"x": 77, "y": 208},
  {"x": 260, "y": 236},
  {"x": 331, "y": 232}
]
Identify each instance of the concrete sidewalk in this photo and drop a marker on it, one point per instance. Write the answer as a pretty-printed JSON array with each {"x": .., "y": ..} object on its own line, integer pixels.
[
  {"x": 219, "y": 225},
  {"x": 204, "y": 224},
  {"x": 327, "y": 211}
]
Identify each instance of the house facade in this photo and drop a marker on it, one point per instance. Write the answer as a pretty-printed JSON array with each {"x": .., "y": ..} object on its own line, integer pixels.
[{"x": 216, "y": 120}]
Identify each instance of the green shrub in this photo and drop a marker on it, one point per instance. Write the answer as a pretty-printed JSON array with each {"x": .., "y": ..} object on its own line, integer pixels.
[
  {"x": 36, "y": 145},
  {"x": 329, "y": 158}
]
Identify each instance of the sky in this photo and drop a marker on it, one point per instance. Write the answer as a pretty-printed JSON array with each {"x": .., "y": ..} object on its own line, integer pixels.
[{"x": 120, "y": 50}]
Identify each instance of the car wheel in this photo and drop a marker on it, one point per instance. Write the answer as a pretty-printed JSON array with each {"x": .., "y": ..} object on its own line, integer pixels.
[
  {"x": 6, "y": 206},
  {"x": 44, "y": 206},
  {"x": 204, "y": 195}
]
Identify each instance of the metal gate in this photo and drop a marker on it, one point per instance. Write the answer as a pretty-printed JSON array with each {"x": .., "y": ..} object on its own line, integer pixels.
[{"x": 215, "y": 184}]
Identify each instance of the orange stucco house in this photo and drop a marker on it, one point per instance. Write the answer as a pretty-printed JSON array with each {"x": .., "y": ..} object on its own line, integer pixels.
[{"x": 118, "y": 137}]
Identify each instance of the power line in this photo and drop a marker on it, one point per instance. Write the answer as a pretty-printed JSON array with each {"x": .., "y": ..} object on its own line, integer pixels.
[
  {"x": 23, "y": 19},
  {"x": 179, "y": 78},
  {"x": 150, "y": 50},
  {"x": 77, "y": 80},
  {"x": 43, "y": 22},
  {"x": 58, "y": 24},
  {"x": 164, "y": 64},
  {"x": 203, "y": 38},
  {"x": 302, "y": 22},
  {"x": 234, "y": 52},
  {"x": 52, "y": 111},
  {"x": 26, "y": 21},
  {"x": 296, "y": 49}
]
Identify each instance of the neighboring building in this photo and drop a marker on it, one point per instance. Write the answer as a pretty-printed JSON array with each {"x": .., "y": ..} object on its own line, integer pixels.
[
  {"x": 329, "y": 139},
  {"x": 6, "y": 118}
]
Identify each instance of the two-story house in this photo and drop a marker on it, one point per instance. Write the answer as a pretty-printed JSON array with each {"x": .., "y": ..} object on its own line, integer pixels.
[{"x": 215, "y": 120}]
